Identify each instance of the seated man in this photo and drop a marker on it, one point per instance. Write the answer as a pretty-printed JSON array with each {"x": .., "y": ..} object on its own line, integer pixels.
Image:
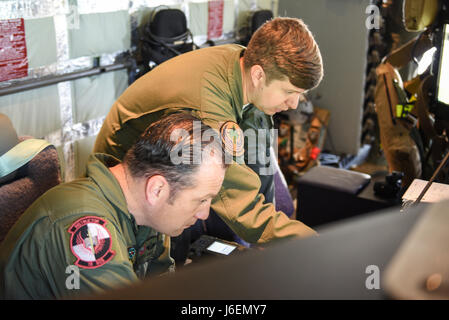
[{"x": 112, "y": 227}]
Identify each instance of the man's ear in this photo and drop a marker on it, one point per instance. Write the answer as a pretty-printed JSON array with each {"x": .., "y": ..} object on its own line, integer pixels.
[
  {"x": 156, "y": 189},
  {"x": 257, "y": 75}
]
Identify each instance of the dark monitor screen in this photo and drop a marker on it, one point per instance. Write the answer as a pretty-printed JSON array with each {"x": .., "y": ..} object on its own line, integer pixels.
[{"x": 443, "y": 69}]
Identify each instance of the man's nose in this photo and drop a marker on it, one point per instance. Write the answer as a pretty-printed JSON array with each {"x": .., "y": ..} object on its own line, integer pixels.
[
  {"x": 292, "y": 102},
  {"x": 203, "y": 214}
]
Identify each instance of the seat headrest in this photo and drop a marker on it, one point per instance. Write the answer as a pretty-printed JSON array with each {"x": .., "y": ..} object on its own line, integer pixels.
[
  {"x": 8, "y": 135},
  {"x": 8, "y": 140}
]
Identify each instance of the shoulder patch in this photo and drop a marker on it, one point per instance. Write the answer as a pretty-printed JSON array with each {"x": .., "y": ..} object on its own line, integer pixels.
[
  {"x": 232, "y": 138},
  {"x": 91, "y": 242}
]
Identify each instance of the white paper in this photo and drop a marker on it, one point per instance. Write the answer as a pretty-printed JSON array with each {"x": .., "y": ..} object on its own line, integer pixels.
[{"x": 437, "y": 191}]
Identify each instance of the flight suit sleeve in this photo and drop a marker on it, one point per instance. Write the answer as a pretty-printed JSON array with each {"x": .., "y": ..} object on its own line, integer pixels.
[
  {"x": 68, "y": 273},
  {"x": 242, "y": 207}
]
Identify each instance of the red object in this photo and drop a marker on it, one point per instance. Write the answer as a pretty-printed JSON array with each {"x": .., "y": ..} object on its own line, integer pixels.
[
  {"x": 13, "y": 51},
  {"x": 215, "y": 20},
  {"x": 314, "y": 153}
]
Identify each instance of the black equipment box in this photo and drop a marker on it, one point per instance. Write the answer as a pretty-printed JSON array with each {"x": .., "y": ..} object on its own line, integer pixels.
[{"x": 328, "y": 194}]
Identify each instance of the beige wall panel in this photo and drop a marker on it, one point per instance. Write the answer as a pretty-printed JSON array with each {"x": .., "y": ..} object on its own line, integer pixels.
[
  {"x": 83, "y": 149},
  {"x": 40, "y": 40},
  {"x": 100, "y": 33},
  {"x": 94, "y": 96},
  {"x": 33, "y": 112}
]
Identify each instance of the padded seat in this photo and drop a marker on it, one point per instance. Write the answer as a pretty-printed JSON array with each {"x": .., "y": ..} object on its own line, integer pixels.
[
  {"x": 336, "y": 179},
  {"x": 328, "y": 194},
  {"x": 28, "y": 168},
  {"x": 32, "y": 180}
]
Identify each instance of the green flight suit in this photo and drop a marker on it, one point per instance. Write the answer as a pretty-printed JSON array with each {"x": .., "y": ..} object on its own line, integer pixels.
[
  {"x": 37, "y": 255},
  {"x": 208, "y": 84}
]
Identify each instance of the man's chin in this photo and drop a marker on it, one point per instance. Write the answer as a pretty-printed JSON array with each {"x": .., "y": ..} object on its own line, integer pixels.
[
  {"x": 270, "y": 112},
  {"x": 176, "y": 233},
  {"x": 273, "y": 112}
]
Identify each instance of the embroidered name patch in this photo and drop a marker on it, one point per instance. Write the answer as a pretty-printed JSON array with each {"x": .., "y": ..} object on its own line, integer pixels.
[
  {"x": 91, "y": 242},
  {"x": 232, "y": 138}
]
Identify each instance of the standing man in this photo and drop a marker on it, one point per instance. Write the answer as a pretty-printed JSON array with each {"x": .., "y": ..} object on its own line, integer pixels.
[
  {"x": 215, "y": 84},
  {"x": 112, "y": 227}
]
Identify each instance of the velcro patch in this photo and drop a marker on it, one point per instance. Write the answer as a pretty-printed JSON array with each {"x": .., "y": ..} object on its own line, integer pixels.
[
  {"x": 91, "y": 242},
  {"x": 232, "y": 138}
]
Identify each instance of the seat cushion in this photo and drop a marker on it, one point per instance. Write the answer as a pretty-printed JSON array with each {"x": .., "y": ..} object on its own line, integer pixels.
[
  {"x": 33, "y": 179},
  {"x": 335, "y": 179}
]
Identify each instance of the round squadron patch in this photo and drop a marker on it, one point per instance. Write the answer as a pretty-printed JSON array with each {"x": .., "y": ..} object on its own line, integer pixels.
[
  {"x": 232, "y": 138},
  {"x": 132, "y": 254},
  {"x": 91, "y": 242}
]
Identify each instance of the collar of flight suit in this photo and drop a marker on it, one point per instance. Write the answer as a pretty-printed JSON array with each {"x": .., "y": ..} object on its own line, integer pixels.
[{"x": 98, "y": 170}]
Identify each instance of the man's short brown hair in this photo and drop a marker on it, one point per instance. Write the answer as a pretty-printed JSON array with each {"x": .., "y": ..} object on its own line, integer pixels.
[
  {"x": 154, "y": 151},
  {"x": 284, "y": 47}
]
